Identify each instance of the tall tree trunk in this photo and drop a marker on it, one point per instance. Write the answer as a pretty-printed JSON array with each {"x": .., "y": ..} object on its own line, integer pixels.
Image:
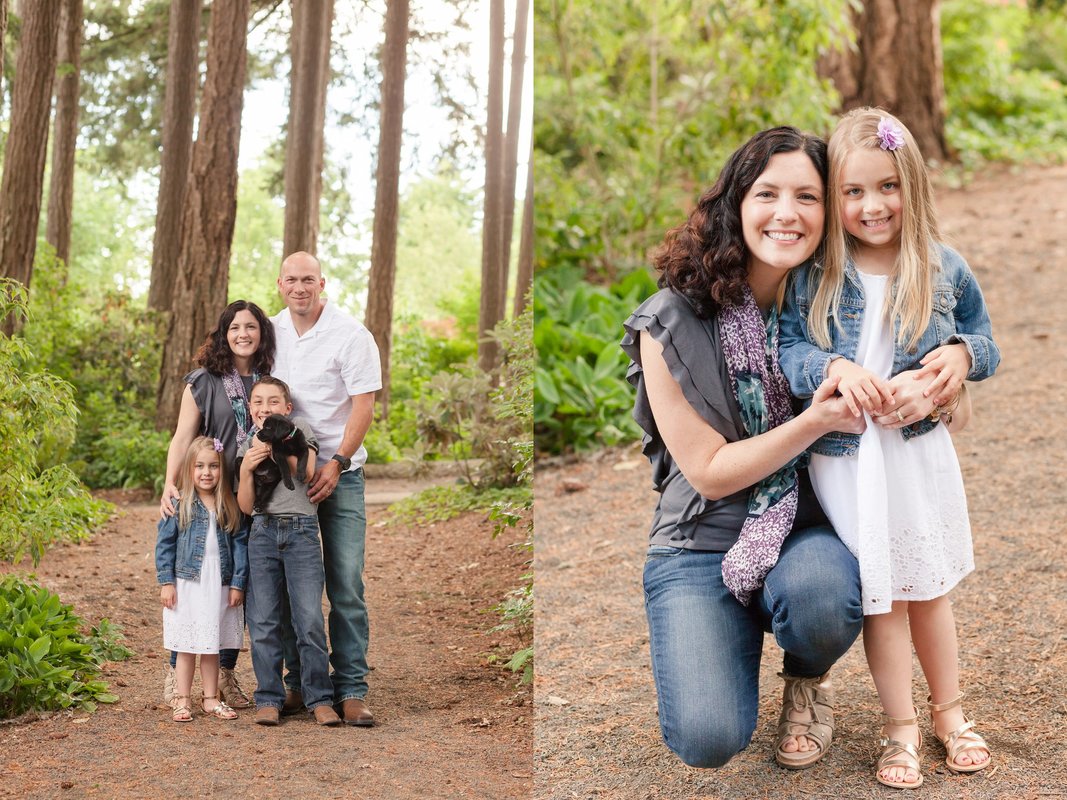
[
  {"x": 210, "y": 205},
  {"x": 179, "y": 109},
  {"x": 511, "y": 141},
  {"x": 524, "y": 276},
  {"x": 494, "y": 270},
  {"x": 27, "y": 142},
  {"x": 897, "y": 65},
  {"x": 65, "y": 136},
  {"x": 382, "y": 279},
  {"x": 310, "y": 73}
]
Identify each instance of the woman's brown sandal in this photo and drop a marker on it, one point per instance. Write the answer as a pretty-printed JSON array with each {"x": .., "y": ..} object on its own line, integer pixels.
[
  {"x": 182, "y": 712},
  {"x": 816, "y": 696},
  {"x": 220, "y": 710},
  {"x": 962, "y": 740},
  {"x": 899, "y": 754}
]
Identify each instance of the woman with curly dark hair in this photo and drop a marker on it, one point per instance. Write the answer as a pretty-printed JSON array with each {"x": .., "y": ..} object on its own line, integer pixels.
[
  {"x": 234, "y": 356},
  {"x": 739, "y": 546}
]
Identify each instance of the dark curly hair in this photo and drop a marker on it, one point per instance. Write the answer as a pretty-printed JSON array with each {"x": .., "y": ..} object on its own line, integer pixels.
[
  {"x": 215, "y": 354},
  {"x": 705, "y": 258}
]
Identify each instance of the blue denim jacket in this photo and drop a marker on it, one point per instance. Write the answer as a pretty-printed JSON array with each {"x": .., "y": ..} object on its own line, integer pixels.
[
  {"x": 959, "y": 315},
  {"x": 179, "y": 553}
]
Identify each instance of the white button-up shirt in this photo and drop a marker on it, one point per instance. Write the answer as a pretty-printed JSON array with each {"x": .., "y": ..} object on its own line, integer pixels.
[{"x": 324, "y": 369}]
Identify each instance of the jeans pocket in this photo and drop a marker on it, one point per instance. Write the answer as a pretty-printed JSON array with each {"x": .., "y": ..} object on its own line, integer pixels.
[{"x": 663, "y": 551}]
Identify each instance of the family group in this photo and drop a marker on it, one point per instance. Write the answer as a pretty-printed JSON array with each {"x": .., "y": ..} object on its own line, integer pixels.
[
  {"x": 229, "y": 552},
  {"x": 799, "y": 376}
]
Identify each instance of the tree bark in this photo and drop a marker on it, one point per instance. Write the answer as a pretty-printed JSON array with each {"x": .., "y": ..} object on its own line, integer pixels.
[
  {"x": 897, "y": 65},
  {"x": 27, "y": 141},
  {"x": 511, "y": 141},
  {"x": 210, "y": 205},
  {"x": 524, "y": 276},
  {"x": 65, "y": 136},
  {"x": 491, "y": 310},
  {"x": 179, "y": 110},
  {"x": 309, "y": 76},
  {"x": 382, "y": 280}
]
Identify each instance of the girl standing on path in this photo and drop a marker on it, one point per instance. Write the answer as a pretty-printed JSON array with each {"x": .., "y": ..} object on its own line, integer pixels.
[
  {"x": 235, "y": 355},
  {"x": 890, "y": 305},
  {"x": 202, "y": 566},
  {"x": 738, "y": 545}
]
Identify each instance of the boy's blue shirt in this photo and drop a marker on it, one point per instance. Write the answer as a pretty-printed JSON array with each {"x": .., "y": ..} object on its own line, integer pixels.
[
  {"x": 959, "y": 315},
  {"x": 180, "y": 553}
]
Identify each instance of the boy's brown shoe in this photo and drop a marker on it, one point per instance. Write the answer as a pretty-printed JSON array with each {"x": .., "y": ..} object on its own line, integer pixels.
[
  {"x": 294, "y": 702},
  {"x": 267, "y": 715},
  {"x": 325, "y": 715}
]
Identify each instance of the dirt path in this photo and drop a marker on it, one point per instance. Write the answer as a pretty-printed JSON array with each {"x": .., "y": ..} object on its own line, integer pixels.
[
  {"x": 449, "y": 726},
  {"x": 596, "y": 728}
]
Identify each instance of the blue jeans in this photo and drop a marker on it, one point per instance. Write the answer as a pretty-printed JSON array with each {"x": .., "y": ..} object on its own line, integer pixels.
[
  {"x": 284, "y": 557},
  {"x": 343, "y": 521},
  {"x": 706, "y": 646}
]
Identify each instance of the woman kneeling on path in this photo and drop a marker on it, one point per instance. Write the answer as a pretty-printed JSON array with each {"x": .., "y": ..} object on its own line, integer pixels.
[{"x": 739, "y": 545}]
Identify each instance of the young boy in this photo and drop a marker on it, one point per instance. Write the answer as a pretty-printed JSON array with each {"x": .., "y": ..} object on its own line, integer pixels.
[{"x": 284, "y": 554}]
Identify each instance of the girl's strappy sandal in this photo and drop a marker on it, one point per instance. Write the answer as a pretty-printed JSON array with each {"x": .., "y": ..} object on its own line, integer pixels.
[
  {"x": 220, "y": 710},
  {"x": 962, "y": 740},
  {"x": 817, "y": 697},
  {"x": 182, "y": 712},
  {"x": 899, "y": 754}
]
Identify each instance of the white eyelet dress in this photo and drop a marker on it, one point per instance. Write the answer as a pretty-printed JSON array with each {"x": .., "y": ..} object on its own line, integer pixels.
[
  {"x": 898, "y": 505},
  {"x": 201, "y": 620}
]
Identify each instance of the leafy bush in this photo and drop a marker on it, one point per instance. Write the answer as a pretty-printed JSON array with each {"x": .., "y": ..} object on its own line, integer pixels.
[
  {"x": 1005, "y": 87},
  {"x": 46, "y": 663},
  {"x": 38, "y": 506},
  {"x": 105, "y": 345},
  {"x": 462, "y": 415},
  {"x": 581, "y": 397}
]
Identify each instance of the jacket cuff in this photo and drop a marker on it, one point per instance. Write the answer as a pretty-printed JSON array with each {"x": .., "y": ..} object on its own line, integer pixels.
[{"x": 165, "y": 578}]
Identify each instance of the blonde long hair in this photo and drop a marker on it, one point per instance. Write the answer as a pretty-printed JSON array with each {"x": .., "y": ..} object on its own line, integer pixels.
[
  {"x": 911, "y": 294},
  {"x": 226, "y": 511}
]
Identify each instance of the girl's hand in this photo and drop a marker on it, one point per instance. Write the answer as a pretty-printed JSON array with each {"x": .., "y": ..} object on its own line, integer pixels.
[
  {"x": 168, "y": 595},
  {"x": 170, "y": 491},
  {"x": 861, "y": 388},
  {"x": 951, "y": 363},
  {"x": 236, "y": 597},
  {"x": 911, "y": 404},
  {"x": 832, "y": 412}
]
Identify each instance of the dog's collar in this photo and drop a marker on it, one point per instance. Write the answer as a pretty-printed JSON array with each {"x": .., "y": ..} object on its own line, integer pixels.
[{"x": 292, "y": 433}]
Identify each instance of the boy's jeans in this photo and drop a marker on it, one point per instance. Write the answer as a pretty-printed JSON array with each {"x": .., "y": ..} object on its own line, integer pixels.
[
  {"x": 343, "y": 519},
  {"x": 706, "y": 646},
  {"x": 284, "y": 557}
]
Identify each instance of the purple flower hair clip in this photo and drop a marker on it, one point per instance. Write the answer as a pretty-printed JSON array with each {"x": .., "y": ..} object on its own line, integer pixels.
[
  {"x": 219, "y": 446},
  {"x": 890, "y": 135}
]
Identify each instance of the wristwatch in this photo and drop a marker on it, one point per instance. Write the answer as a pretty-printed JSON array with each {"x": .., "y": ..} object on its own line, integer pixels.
[{"x": 344, "y": 461}]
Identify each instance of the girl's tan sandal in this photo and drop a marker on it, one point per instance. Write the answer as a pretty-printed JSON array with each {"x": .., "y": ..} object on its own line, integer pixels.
[
  {"x": 219, "y": 710},
  {"x": 899, "y": 754},
  {"x": 182, "y": 712},
  {"x": 816, "y": 696},
  {"x": 962, "y": 740}
]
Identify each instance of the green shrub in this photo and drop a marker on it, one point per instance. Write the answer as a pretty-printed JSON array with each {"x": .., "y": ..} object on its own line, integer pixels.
[
  {"x": 581, "y": 397},
  {"x": 38, "y": 505},
  {"x": 1004, "y": 81},
  {"x": 46, "y": 663},
  {"x": 108, "y": 347}
]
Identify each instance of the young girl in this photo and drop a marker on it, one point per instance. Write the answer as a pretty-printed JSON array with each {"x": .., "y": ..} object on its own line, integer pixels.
[
  {"x": 889, "y": 307},
  {"x": 202, "y": 566}
]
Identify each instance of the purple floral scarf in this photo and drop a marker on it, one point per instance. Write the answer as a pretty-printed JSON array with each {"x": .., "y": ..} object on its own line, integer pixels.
[
  {"x": 762, "y": 392},
  {"x": 235, "y": 393}
]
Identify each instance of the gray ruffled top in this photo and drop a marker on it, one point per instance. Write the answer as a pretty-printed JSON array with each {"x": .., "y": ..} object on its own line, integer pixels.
[{"x": 693, "y": 354}]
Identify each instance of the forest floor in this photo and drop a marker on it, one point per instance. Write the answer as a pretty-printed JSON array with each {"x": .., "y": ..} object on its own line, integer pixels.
[
  {"x": 597, "y": 734},
  {"x": 449, "y": 725}
]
